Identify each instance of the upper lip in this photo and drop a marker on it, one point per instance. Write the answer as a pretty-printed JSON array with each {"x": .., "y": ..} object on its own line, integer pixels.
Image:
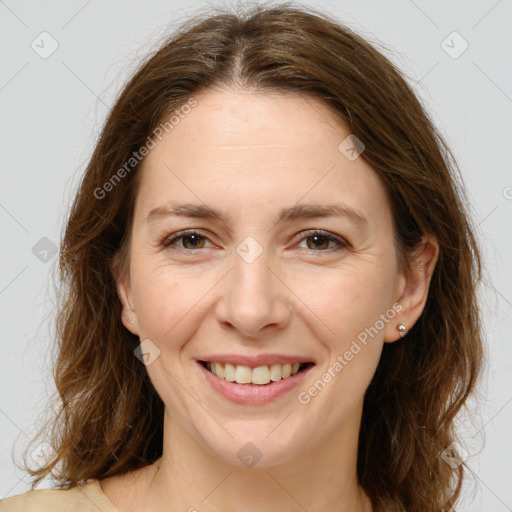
[{"x": 255, "y": 361}]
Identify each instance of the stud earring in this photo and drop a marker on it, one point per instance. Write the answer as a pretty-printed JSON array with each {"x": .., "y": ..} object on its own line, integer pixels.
[{"x": 402, "y": 330}]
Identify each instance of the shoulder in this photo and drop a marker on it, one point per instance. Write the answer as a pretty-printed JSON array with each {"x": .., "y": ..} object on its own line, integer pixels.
[{"x": 88, "y": 497}]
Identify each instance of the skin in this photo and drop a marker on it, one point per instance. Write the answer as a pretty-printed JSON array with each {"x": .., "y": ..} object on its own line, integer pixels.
[{"x": 250, "y": 154}]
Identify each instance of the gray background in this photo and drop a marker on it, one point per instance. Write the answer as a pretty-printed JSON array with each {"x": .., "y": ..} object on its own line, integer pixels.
[{"x": 51, "y": 111}]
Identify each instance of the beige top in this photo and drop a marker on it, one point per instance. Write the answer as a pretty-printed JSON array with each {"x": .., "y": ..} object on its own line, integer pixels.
[{"x": 82, "y": 498}]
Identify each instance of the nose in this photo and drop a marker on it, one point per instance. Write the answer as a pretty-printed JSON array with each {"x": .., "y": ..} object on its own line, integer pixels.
[{"x": 254, "y": 299}]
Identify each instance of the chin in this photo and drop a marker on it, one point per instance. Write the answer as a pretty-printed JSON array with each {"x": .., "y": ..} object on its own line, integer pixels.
[{"x": 255, "y": 445}]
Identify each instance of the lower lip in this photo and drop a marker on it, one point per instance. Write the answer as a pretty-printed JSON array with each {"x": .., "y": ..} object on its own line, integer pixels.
[{"x": 253, "y": 393}]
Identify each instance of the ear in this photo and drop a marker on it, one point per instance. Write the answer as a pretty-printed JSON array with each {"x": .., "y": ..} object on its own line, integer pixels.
[
  {"x": 124, "y": 292},
  {"x": 412, "y": 288}
]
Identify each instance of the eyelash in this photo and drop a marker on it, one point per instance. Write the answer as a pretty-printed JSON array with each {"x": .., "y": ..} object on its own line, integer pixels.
[{"x": 314, "y": 232}]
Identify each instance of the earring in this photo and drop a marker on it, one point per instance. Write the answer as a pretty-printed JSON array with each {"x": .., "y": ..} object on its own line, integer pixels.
[
  {"x": 402, "y": 330},
  {"x": 128, "y": 319}
]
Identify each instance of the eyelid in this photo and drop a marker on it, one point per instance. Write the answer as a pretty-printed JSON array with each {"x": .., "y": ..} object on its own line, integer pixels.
[
  {"x": 343, "y": 243},
  {"x": 168, "y": 240}
]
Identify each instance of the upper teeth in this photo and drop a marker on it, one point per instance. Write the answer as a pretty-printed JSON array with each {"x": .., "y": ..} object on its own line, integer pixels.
[{"x": 246, "y": 375}]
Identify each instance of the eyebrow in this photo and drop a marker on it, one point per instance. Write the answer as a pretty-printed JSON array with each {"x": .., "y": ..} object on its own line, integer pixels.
[{"x": 298, "y": 211}]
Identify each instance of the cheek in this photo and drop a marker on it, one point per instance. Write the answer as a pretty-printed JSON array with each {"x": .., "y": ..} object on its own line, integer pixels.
[
  {"x": 166, "y": 300},
  {"x": 352, "y": 307},
  {"x": 346, "y": 302}
]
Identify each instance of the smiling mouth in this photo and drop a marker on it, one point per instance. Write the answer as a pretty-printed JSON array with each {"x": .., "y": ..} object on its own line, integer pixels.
[{"x": 260, "y": 375}]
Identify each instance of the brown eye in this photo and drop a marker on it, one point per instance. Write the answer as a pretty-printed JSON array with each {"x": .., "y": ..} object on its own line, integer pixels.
[
  {"x": 318, "y": 241},
  {"x": 189, "y": 241},
  {"x": 195, "y": 241}
]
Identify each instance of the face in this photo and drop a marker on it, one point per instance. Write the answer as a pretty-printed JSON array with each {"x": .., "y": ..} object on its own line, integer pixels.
[{"x": 259, "y": 249}]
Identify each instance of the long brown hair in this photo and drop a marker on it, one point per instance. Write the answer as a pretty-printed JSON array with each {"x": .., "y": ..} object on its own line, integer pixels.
[{"x": 109, "y": 417}]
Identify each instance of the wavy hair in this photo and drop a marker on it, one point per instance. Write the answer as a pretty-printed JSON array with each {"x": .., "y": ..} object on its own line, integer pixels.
[{"x": 108, "y": 417}]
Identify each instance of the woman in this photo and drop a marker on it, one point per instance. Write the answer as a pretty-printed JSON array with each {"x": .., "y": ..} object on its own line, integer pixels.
[{"x": 270, "y": 281}]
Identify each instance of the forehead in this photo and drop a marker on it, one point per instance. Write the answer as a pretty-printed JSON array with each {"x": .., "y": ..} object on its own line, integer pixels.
[
  {"x": 239, "y": 121},
  {"x": 243, "y": 149}
]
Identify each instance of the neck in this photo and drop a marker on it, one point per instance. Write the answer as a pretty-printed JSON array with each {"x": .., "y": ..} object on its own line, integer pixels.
[{"x": 190, "y": 478}]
